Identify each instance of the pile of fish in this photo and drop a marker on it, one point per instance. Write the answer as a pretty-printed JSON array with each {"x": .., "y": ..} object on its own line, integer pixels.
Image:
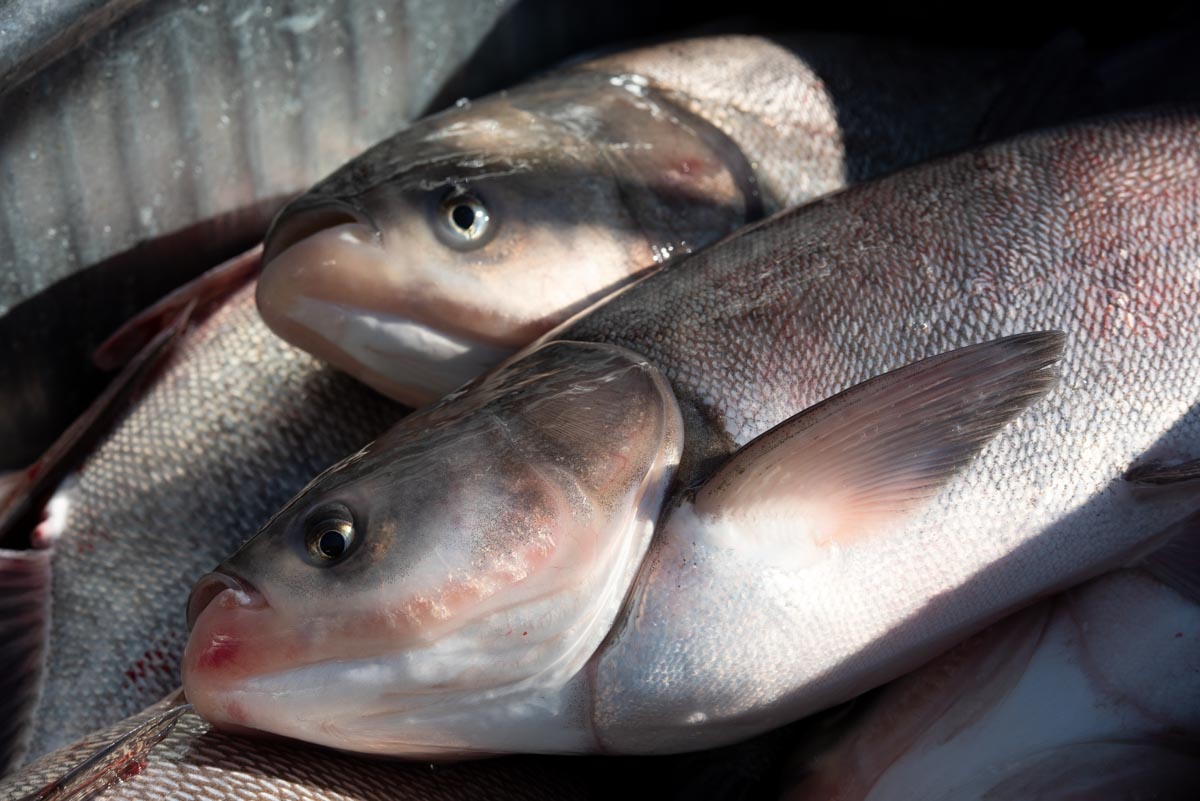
[{"x": 792, "y": 418}]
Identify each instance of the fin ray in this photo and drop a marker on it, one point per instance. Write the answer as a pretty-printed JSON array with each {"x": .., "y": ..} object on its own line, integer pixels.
[
  {"x": 111, "y": 763},
  {"x": 24, "y": 632},
  {"x": 200, "y": 293}
]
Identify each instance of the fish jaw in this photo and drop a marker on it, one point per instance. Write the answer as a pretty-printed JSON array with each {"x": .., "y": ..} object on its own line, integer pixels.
[
  {"x": 414, "y": 329},
  {"x": 313, "y": 295},
  {"x": 457, "y": 613},
  {"x": 226, "y": 645}
]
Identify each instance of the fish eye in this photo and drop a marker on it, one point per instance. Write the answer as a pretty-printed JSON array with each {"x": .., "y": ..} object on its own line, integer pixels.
[
  {"x": 329, "y": 534},
  {"x": 463, "y": 221}
]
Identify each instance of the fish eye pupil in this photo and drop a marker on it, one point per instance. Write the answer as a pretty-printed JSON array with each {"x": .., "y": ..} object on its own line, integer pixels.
[
  {"x": 328, "y": 539},
  {"x": 332, "y": 544},
  {"x": 463, "y": 216},
  {"x": 463, "y": 221}
]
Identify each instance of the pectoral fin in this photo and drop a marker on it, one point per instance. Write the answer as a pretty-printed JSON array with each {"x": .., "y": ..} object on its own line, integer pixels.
[
  {"x": 116, "y": 761},
  {"x": 24, "y": 630},
  {"x": 1177, "y": 562},
  {"x": 23, "y": 495},
  {"x": 1157, "y": 474},
  {"x": 882, "y": 447},
  {"x": 198, "y": 296}
]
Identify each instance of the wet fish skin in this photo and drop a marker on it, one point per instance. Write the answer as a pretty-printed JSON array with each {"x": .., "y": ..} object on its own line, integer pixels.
[
  {"x": 1092, "y": 228},
  {"x": 603, "y": 170},
  {"x": 197, "y": 763},
  {"x": 591, "y": 174},
  {"x": 817, "y": 112},
  {"x": 1091, "y": 694},
  {"x": 237, "y": 423},
  {"x": 523, "y": 532}
]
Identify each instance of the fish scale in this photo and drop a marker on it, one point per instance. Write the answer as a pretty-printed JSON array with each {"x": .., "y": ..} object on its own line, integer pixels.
[{"x": 237, "y": 422}]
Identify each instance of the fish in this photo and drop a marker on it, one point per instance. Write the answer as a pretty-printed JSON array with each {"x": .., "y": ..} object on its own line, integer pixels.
[
  {"x": 472, "y": 564},
  {"x": 234, "y": 424},
  {"x": 1090, "y": 694},
  {"x": 141, "y": 143},
  {"x": 757, "y": 603},
  {"x": 445, "y": 248},
  {"x": 168, "y": 751}
]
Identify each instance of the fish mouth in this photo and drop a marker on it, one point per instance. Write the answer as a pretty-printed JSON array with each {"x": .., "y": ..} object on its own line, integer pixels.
[
  {"x": 211, "y": 585},
  {"x": 297, "y": 222},
  {"x": 403, "y": 358}
]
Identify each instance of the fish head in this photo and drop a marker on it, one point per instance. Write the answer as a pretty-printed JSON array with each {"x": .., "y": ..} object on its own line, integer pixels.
[
  {"x": 443, "y": 250},
  {"x": 462, "y": 568}
]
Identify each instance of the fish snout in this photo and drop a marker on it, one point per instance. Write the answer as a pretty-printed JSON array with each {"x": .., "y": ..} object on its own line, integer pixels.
[
  {"x": 325, "y": 252},
  {"x": 301, "y": 220},
  {"x": 323, "y": 263},
  {"x": 212, "y": 585}
]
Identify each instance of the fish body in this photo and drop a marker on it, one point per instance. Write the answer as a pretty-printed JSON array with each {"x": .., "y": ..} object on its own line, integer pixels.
[
  {"x": 804, "y": 557},
  {"x": 448, "y": 246},
  {"x": 235, "y": 427},
  {"x": 1092, "y": 694},
  {"x": 1091, "y": 229}
]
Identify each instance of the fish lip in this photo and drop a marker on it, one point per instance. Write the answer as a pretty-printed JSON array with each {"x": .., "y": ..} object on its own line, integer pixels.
[
  {"x": 459, "y": 356},
  {"x": 304, "y": 217},
  {"x": 210, "y": 585}
]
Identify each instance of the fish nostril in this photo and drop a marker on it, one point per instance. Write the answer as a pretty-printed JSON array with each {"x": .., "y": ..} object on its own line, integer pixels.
[
  {"x": 294, "y": 224},
  {"x": 208, "y": 587}
]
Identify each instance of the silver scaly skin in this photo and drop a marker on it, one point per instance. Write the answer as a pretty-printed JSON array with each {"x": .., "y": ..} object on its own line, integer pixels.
[
  {"x": 1091, "y": 694},
  {"x": 240, "y": 421}
]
